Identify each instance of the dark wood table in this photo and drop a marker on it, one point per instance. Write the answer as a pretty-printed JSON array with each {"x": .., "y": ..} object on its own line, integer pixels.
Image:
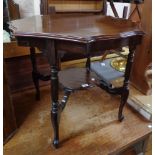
[{"x": 89, "y": 35}]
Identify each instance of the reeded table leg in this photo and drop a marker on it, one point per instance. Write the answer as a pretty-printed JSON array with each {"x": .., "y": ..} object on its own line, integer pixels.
[
  {"x": 35, "y": 72},
  {"x": 55, "y": 105},
  {"x": 125, "y": 90}
]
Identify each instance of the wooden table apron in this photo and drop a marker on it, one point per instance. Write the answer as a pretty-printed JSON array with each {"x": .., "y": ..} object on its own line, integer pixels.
[{"x": 50, "y": 47}]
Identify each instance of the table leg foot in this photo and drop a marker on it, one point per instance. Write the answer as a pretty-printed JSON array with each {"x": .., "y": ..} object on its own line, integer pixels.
[
  {"x": 124, "y": 98},
  {"x": 121, "y": 118},
  {"x": 56, "y": 143},
  {"x": 55, "y": 116}
]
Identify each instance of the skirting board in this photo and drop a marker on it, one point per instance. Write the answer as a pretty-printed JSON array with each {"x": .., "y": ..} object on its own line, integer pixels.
[
  {"x": 141, "y": 103},
  {"x": 145, "y": 113}
]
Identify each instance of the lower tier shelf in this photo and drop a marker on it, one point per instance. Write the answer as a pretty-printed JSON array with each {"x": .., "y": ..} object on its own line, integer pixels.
[{"x": 77, "y": 78}]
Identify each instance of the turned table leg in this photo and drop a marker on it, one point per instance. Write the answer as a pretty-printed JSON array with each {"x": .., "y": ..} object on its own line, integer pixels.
[
  {"x": 125, "y": 89},
  {"x": 55, "y": 105},
  {"x": 52, "y": 57},
  {"x": 35, "y": 72}
]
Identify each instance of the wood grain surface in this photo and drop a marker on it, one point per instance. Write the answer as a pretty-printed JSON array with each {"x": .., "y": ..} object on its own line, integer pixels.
[
  {"x": 89, "y": 125},
  {"x": 79, "y": 28}
]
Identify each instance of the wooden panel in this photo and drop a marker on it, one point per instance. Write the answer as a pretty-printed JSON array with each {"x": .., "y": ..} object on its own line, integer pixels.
[
  {"x": 21, "y": 78},
  {"x": 13, "y": 10},
  {"x": 9, "y": 119},
  {"x": 143, "y": 56},
  {"x": 75, "y": 5},
  {"x": 13, "y": 50}
]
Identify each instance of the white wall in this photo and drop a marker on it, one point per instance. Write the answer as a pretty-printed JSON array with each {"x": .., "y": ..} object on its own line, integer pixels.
[
  {"x": 119, "y": 8},
  {"x": 37, "y": 7},
  {"x": 28, "y": 7}
]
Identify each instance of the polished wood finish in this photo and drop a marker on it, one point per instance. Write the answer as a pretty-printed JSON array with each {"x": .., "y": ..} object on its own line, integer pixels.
[
  {"x": 20, "y": 79},
  {"x": 136, "y": 8},
  {"x": 74, "y": 6},
  {"x": 13, "y": 9},
  {"x": 77, "y": 78},
  {"x": 11, "y": 50},
  {"x": 88, "y": 125},
  {"x": 80, "y": 34},
  {"x": 143, "y": 56},
  {"x": 9, "y": 119},
  {"x": 76, "y": 30},
  {"x": 44, "y": 7}
]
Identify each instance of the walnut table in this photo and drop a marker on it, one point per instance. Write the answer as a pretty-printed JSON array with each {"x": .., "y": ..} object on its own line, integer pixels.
[{"x": 89, "y": 35}]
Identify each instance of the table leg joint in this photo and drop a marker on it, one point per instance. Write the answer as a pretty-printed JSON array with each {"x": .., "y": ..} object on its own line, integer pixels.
[{"x": 65, "y": 99}]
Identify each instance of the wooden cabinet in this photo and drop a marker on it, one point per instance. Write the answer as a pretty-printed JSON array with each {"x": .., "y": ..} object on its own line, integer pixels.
[
  {"x": 12, "y": 50},
  {"x": 9, "y": 120},
  {"x": 76, "y": 5},
  {"x": 143, "y": 57},
  {"x": 73, "y": 6}
]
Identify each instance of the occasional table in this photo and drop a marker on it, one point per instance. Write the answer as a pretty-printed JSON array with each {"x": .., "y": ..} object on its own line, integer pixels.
[{"x": 85, "y": 34}]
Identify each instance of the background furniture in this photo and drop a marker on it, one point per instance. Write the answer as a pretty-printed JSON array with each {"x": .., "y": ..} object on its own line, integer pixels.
[
  {"x": 9, "y": 119},
  {"x": 13, "y": 9},
  {"x": 13, "y": 54},
  {"x": 143, "y": 56},
  {"x": 74, "y": 6}
]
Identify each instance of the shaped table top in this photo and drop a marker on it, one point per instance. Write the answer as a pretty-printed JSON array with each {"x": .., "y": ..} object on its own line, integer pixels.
[{"x": 76, "y": 27}]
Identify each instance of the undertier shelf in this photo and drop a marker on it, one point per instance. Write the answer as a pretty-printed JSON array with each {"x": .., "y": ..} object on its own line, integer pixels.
[{"x": 77, "y": 78}]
